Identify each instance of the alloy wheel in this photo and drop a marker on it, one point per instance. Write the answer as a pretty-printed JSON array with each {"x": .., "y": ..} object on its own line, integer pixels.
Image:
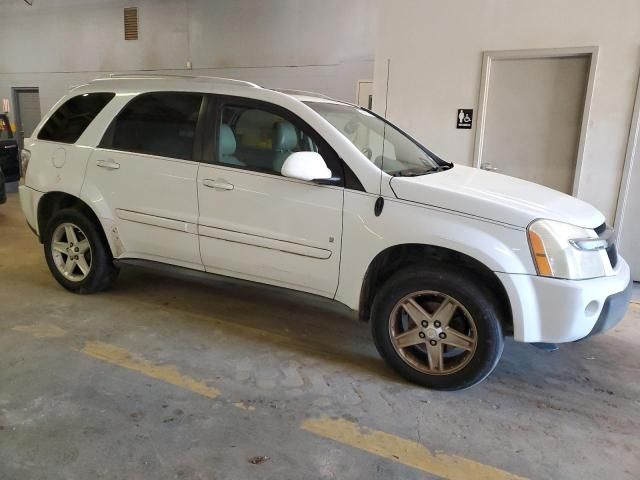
[
  {"x": 433, "y": 332},
  {"x": 71, "y": 252}
]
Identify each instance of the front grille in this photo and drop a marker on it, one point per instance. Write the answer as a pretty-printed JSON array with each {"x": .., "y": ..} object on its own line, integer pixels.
[{"x": 612, "y": 251}]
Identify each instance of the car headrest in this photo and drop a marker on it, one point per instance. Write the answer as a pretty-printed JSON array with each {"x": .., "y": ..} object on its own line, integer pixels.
[
  {"x": 285, "y": 137},
  {"x": 227, "y": 140}
]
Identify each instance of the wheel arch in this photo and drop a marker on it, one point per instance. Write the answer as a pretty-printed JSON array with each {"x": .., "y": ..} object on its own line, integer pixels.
[
  {"x": 397, "y": 257},
  {"x": 51, "y": 202}
]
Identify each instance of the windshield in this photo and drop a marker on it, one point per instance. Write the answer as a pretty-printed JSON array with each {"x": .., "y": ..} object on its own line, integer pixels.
[
  {"x": 5, "y": 128},
  {"x": 384, "y": 145}
]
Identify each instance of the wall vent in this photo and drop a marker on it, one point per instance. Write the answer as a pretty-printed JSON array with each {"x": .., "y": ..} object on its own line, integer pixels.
[{"x": 131, "y": 23}]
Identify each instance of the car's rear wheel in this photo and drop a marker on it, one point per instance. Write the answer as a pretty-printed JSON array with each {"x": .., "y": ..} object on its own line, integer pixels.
[
  {"x": 437, "y": 327},
  {"x": 76, "y": 253}
]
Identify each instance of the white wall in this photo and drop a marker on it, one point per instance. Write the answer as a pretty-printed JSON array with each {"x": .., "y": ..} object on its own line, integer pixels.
[
  {"x": 324, "y": 46},
  {"x": 436, "y": 49}
]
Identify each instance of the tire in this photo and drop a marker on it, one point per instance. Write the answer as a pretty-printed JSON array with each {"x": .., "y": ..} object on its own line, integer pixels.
[
  {"x": 98, "y": 272},
  {"x": 472, "y": 311}
]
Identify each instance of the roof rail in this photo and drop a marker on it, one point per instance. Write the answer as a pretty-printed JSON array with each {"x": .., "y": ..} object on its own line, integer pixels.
[
  {"x": 289, "y": 91},
  {"x": 220, "y": 80},
  {"x": 230, "y": 81}
]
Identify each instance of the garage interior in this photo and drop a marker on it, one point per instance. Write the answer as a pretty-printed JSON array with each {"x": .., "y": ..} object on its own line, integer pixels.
[{"x": 192, "y": 378}]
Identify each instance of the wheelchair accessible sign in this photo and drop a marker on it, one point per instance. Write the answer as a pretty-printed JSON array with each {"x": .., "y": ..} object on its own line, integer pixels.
[{"x": 465, "y": 118}]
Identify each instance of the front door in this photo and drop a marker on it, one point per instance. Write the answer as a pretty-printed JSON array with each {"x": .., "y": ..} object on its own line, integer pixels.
[
  {"x": 256, "y": 224},
  {"x": 145, "y": 170}
]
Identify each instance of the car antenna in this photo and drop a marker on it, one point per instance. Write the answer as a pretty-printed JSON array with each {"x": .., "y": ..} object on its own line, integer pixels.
[{"x": 379, "y": 205}]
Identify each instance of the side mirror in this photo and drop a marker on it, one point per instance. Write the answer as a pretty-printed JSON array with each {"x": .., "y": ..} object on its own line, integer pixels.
[{"x": 309, "y": 166}]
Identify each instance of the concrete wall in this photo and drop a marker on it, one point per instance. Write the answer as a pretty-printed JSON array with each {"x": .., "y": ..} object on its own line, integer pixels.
[
  {"x": 436, "y": 49},
  {"x": 322, "y": 46}
]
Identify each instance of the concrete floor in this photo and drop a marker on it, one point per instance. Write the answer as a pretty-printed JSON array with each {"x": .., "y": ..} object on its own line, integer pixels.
[{"x": 189, "y": 379}]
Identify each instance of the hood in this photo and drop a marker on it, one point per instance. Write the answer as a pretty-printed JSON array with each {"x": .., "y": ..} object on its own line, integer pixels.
[{"x": 495, "y": 197}]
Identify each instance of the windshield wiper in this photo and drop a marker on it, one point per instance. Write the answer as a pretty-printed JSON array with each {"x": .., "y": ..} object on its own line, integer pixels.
[{"x": 416, "y": 172}]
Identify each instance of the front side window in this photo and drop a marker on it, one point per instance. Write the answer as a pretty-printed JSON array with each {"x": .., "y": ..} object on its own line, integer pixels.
[
  {"x": 258, "y": 139},
  {"x": 162, "y": 124},
  {"x": 5, "y": 128},
  {"x": 383, "y": 144},
  {"x": 73, "y": 117}
]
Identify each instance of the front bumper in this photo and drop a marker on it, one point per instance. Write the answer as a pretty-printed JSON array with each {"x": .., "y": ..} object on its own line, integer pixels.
[
  {"x": 558, "y": 311},
  {"x": 613, "y": 311}
]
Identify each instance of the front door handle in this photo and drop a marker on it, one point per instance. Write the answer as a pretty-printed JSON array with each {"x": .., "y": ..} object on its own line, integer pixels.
[
  {"x": 110, "y": 164},
  {"x": 218, "y": 184}
]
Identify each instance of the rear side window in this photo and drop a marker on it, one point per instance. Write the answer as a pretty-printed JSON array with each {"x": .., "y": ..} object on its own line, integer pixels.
[
  {"x": 73, "y": 117},
  {"x": 162, "y": 124}
]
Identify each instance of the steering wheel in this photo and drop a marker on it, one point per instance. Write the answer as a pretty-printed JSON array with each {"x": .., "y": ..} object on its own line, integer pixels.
[{"x": 367, "y": 152}]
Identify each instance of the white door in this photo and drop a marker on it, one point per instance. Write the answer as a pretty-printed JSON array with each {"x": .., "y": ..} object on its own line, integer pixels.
[
  {"x": 145, "y": 172},
  {"x": 27, "y": 105},
  {"x": 261, "y": 226},
  {"x": 534, "y": 118},
  {"x": 630, "y": 232},
  {"x": 629, "y": 202},
  {"x": 365, "y": 94}
]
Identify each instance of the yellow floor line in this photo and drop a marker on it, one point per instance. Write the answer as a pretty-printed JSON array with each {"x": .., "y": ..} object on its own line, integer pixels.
[
  {"x": 404, "y": 451},
  {"x": 383, "y": 444},
  {"x": 244, "y": 406},
  {"x": 167, "y": 373},
  {"x": 41, "y": 330}
]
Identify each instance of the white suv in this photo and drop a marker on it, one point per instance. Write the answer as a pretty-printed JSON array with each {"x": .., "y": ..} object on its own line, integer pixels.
[{"x": 308, "y": 193}]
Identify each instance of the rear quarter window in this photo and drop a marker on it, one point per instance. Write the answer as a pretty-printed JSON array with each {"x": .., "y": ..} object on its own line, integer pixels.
[{"x": 73, "y": 117}]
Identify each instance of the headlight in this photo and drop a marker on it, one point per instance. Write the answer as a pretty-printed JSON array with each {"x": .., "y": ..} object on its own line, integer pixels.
[
  {"x": 565, "y": 251},
  {"x": 25, "y": 156}
]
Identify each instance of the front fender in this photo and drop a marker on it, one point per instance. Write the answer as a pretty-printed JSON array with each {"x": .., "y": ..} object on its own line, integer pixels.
[{"x": 501, "y": 248}]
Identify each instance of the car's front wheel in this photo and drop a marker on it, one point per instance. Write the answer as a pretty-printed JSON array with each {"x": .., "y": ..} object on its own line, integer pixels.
[
  {"x": 437, "y": 327},
  {"x": 76, "y": 253}
]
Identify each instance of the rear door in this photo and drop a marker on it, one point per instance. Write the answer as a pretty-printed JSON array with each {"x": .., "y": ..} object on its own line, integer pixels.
[
  {"x": 256, "y": 224},
  {"x": 145, "y": 169}
]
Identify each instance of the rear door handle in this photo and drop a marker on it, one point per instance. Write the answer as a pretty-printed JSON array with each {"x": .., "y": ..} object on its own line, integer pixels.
[
  {"x": 219, "y": 184},
  {"x": 110, "y": 164}
]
